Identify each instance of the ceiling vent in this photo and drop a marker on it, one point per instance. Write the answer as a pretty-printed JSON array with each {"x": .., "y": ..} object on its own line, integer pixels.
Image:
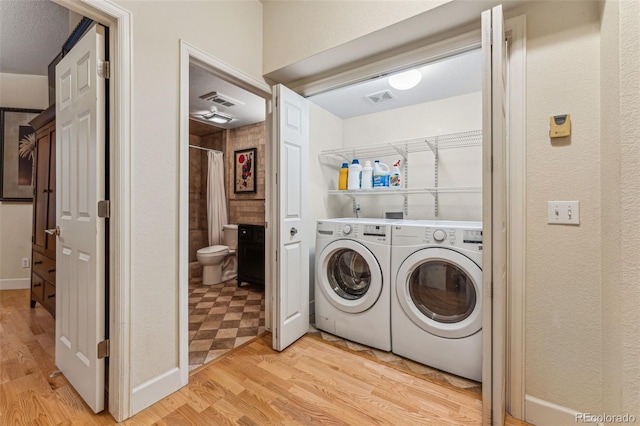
[
  {"x": 220, "y": 99},
  {"x": 379, "y": 97}
]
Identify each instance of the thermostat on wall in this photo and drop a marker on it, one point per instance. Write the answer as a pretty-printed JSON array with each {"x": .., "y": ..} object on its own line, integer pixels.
[{"x": 560, "y": 126}]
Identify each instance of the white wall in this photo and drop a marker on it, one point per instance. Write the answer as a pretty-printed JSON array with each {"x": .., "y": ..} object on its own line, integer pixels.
[
  {"x": 620, "y": 183},
  {"x": 611, "y": 217},
  {"x": 287, "y": 37},
  {"x": 457, "y": 167},
  {"x": 563, "y": 301},
  {"x": 232, "y": 32},
  {"x": 325, "y": 132},
  {"x": 18, "y": 91}
]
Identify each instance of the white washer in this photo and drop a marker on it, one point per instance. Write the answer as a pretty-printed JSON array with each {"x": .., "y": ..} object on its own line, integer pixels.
[
  {"x": 436, "y": 303},
  {"x": 353, "y": 289}
]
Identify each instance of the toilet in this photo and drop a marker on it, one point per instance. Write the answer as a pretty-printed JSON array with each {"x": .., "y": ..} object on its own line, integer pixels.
[{"x": 219, "y": 263}]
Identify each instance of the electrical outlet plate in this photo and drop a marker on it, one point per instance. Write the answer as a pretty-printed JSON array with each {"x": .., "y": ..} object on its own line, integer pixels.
[
  {"x": 25, "y": 262},
  {"x": 563, "y": 212}
]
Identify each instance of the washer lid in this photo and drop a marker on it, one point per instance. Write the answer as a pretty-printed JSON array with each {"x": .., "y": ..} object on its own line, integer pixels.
[
  {"x": 349, "y": 276},
  {"x": 213, "y": 249},
  {"x": 440, "y": 291}
]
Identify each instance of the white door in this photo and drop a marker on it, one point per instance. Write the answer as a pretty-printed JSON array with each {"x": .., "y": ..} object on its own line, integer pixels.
[
  {"x": 494, "y": 262},
  {"x": 80, "y": 184},
  {"x": 291, "y": 116}
]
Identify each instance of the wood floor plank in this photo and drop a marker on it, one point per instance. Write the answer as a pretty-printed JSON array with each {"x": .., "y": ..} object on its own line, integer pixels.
[{"x": 310, "y": 383}]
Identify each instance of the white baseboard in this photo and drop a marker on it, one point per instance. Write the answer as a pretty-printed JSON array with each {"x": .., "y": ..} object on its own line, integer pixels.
[
  {"x": 543, "y": 413},
  {"x": 154, "y": 390},
  {"x": 15, "y": 283}
]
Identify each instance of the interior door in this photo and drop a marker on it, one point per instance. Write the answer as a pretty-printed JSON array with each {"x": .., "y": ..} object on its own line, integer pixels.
[
  {"x": 291, "y": 116},
  {"x": 80, "y": 184},
  {"x": 494, "y": 261}
]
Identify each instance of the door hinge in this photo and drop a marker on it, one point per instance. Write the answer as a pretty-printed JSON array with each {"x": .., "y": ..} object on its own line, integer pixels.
[
  {"x": 276, "y": 102},
  {"x": 104, "y": 209},
  {"x": 104, "y": 69},
  {"x": 103, "y": 349}
]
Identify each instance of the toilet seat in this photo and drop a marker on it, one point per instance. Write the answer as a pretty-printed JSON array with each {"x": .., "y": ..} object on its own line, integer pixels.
[{"x": 218, "y": 249}]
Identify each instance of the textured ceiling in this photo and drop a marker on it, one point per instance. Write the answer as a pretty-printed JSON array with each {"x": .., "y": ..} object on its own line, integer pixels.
[
  {"x": 32, "y": 33},
  {"x": 201, "y": 82}
]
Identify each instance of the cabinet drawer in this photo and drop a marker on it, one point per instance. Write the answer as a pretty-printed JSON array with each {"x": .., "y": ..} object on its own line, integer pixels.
[
  {"x": 44, "y": 266},
  {"x": 49, "y": 300},
  {"x": 37, "y": 287}
]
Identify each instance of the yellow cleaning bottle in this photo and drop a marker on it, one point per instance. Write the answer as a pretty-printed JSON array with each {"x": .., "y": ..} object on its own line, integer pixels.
[{"x": 344, "y": 174}]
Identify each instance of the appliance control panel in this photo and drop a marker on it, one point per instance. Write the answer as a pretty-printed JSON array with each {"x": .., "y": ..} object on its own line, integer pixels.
[
  {"x": 472, "y": 236},
  {"x": 409, "y": 235},
  {"x": 360, "y": 231}
]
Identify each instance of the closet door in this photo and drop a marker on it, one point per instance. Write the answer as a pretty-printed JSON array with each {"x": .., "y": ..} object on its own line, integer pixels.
[
  {"x": 292, "y": 257},
  {"x": 494, "y": 258}
]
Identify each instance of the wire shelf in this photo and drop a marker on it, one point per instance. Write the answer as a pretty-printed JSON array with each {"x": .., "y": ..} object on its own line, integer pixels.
[
  {"x": 406, "y": 191},
  {"x": 405, "y": 147}
]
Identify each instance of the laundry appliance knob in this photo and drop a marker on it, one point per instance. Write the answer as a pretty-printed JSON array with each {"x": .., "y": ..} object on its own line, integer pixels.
[
  {"x": 439, "y": 235},
  {"x": 346, "y": 230}
]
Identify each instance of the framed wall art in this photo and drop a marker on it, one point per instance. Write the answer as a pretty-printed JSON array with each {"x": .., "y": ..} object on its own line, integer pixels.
[
  {"x": 17, "y": 154},
  {"x": 244, "y": 170}
]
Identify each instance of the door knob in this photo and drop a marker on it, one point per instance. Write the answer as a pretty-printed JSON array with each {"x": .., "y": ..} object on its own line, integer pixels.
[
  {"x": 293, "y": 231},
  {"x": 54, "y": 231}
]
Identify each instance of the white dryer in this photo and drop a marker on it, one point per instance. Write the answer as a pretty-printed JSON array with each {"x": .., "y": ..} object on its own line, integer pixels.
[
  {"x": 436, "y": 306},
  {"x": 352, "y": 287}
]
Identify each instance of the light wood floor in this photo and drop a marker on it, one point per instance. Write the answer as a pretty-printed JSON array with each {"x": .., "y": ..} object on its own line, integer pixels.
[{"x": 310, "y": 383}]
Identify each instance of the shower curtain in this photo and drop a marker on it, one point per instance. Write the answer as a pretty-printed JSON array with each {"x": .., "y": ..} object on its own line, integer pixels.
[{"x": 216, "y": 199}]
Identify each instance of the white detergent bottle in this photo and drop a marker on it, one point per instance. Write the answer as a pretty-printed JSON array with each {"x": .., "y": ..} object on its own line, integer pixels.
[
  {"x": 355, "y": 171},
  {"x": 395, "y": 180},
  {"x": 367, "y": 176},
  {"x": 380, "y": 174}
]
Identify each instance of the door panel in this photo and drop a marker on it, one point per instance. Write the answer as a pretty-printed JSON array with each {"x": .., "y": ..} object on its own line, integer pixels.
[
  {"x": 80, "y": 306},
  {"x": 494, "y": 216},
  {"x": 292, "y": 261}
]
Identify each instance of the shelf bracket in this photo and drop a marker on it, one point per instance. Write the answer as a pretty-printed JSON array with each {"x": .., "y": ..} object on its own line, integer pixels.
[
  {"x": 435, "y": 181},
  {"x": 404, "y": 153},
  {"x": 406, "y": 204}
]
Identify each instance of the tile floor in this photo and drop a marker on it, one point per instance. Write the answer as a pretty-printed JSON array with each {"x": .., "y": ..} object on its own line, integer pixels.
[
  {"x": 402, "y": 363},
  {"x": 222, "y": 317}
]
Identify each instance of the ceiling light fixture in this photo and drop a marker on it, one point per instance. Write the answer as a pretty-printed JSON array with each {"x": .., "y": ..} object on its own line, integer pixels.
[
  {"x": 217, "y": 117},
  {"x": 405, "y": 80}
]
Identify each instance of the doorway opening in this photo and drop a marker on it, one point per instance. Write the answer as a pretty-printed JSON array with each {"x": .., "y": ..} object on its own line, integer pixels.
[
  {"x": 223, "y": 283},
  {"x": 226, "y": 216}
]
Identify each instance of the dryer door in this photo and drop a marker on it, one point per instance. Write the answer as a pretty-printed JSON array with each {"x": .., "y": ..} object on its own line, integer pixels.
[
  {"x": 349, "y": 276},
  {"x": 441, "y": 291}
]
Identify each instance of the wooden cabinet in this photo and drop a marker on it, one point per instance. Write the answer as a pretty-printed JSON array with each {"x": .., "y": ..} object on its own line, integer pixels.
[
  {"x": 43, "y": 252},
  {"x": 251, "y": 257}
]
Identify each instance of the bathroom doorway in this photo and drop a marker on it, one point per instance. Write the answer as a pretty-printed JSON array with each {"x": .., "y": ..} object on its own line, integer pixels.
[{"x": 225, "y": 309}]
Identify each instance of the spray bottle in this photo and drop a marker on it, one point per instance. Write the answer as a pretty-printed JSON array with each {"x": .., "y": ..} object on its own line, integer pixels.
[{"x": 396, "y": 177}]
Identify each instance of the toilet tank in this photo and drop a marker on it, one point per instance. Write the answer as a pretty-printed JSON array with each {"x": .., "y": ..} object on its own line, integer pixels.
[{"x": 230, "y": 235}]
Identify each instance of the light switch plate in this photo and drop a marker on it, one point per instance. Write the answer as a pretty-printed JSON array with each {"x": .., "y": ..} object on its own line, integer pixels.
[{"x": 563, "y": 212}]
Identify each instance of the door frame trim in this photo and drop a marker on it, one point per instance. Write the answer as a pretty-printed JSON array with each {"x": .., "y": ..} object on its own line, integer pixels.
[
  {"x": 192, "y": 54},
  {"x": 516, "y": 30},
  {"x": 120, "y": 25}
]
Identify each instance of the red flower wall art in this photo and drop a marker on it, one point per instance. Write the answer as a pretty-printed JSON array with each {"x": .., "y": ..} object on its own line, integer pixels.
[{"x": 244, "y": 170}]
